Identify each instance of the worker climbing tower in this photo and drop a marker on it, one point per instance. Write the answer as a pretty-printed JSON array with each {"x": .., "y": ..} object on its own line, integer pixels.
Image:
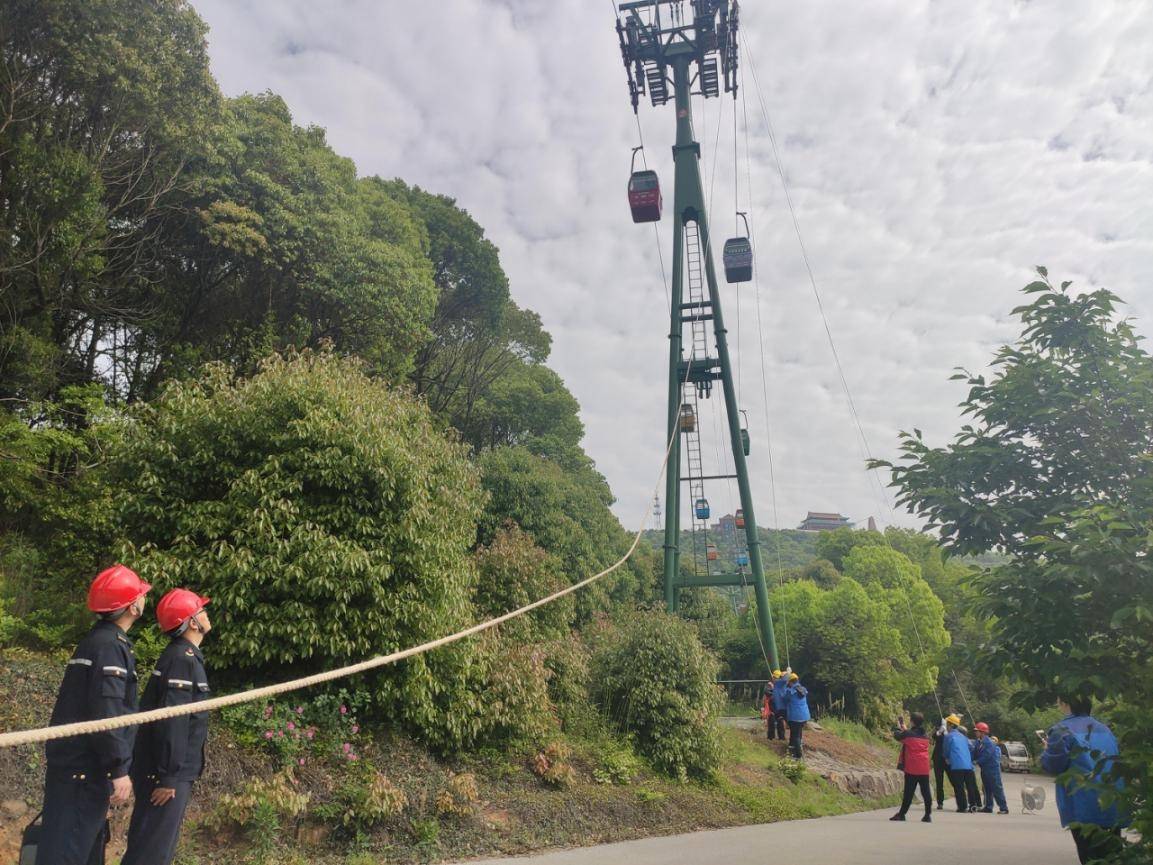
[{"x": 673, "y": 50}]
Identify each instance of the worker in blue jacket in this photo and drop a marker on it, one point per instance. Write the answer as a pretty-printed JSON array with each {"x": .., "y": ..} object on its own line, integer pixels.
[
  {"x": 780, "y": 696},
  {"x": 797, "y": 709},
  {"x": 987, "y": 755},
  {"x": 1085, "y": 748},
  {"x": 959, "y": 758}
]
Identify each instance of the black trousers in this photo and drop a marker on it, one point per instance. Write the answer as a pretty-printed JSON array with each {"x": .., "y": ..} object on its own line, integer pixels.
[
  {"x": 154, "y": 831},
  {"x": 964, "y": 783},
  {"x": 779, "y": 724},
  {"x": 75, "y": 820},
  {"x": 912, "y": 782},
  {"x": 1094, "y": 845},
  {"x": 971, "y": 788},
  {"x": 939, "y": 783},
  {"x": 796, "y": 732}
]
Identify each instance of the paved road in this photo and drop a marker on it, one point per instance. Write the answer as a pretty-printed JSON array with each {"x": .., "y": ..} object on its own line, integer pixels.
[{"x": 854, "y": 839}]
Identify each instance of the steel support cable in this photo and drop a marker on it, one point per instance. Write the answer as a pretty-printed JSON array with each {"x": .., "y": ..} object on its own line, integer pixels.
[
  {"x": 765, "y": 384},
  {"x": 80, "y": 728},
  {"x": 864, "y": 440}
]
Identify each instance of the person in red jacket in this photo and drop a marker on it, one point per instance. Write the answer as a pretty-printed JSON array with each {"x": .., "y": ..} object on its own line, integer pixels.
[{"x": 915, "y": 746}]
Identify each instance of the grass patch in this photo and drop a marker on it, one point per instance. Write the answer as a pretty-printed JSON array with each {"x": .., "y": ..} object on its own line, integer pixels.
[{"x": 853, "y": 731}]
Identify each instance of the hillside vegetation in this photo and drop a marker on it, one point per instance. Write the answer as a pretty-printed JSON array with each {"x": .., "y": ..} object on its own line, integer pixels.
[{"x": 233, "y": 363}]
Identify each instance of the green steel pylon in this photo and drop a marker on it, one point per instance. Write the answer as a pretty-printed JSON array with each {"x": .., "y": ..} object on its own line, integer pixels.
[{"x": 658, "y": 45}]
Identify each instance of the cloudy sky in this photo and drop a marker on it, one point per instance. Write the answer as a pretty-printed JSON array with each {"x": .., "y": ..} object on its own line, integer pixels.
[{"x": 935, "y": 151}]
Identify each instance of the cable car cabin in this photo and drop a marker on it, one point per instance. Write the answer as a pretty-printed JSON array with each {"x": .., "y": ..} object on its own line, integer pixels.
[
  {"x": 688, "y": 419},
  {"x": 702, "y": 509},
  {"x": 738, "y": 258},
  {"x": 739, "y": 519},
  {"x": 745, "y": 440},
  {"x": 645, "y": 196},
  {"x": 742, "y": 560},
  {"x": 711, "y": 553}
]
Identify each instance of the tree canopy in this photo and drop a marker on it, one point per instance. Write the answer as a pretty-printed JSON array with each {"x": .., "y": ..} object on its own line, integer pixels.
[{"x": 1054, "y": 469}]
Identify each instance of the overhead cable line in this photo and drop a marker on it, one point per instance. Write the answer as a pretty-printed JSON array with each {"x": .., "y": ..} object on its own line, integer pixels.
[
  {"x": 765, "y": 384},
  {"x": 864, "y": 440}
]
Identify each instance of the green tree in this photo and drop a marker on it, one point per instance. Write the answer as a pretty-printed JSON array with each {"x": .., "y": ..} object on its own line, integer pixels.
[
  {"x": 327, "y": 519},
  {"x": 1054, "y": 471},
  {"x": 835, "y": 545},
  {"x": 282, "y": 246},
  {"x": 105, "y": 105},
  {"x": 566, "y": 513}
]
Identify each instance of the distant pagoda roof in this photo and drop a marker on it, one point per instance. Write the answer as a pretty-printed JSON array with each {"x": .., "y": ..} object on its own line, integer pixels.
[{"x": 818, "y": 521}]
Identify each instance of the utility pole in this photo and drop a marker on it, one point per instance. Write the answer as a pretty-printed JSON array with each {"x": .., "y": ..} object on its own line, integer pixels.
[{"x": 670, "y": 47}]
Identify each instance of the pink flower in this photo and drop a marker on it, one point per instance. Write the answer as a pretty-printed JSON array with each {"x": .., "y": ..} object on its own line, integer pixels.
[
  {"x": 344, "y": 710},
  {"x": 355, "y": 729},
  {"x": 300, "y": 710},
  {"x": 353, "y": 757},
  {"x": 346, "y": 747},
  {"x": 267, "y": 711},
  {"x": 267, "y": 734},
  {"x": 309, "y": 733},
  {"x": 301, "y": 761},
  {"x": 280, "y": 733},
  {"x": 291, "y": 726}
]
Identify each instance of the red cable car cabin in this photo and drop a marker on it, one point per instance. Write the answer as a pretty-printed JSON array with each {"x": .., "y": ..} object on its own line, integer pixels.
[{"x": 645, "y": 196}]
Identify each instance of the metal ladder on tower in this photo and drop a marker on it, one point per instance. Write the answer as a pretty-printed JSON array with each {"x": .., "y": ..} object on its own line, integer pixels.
[{"x": 694, "y": 267}]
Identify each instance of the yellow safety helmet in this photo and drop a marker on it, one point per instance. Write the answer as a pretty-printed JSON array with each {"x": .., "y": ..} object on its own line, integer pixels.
[
  {"x": 776, "y": 674},
  {"x": 954, "y": 720},
  {"x": 794, "y": 678}
]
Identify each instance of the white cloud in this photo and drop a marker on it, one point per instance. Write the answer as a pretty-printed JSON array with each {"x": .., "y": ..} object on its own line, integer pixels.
[{"x": 935, "y": 151}]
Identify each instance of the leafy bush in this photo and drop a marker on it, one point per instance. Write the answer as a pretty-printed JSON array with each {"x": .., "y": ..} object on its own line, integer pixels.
[
  {"x": 368, "y": 797},
  {"x": 511, "y": 698},
  {"x": 567, "y": 662},
  {"x": 512, "y": 571},
  {"x": 259, "y": 810},
  {"x": 656, "y": 682},
  {"x": 325, "y": 515},
  {"x": 552, "y": 765},
  {"x": 617, "y": 766},
  {"x": 460, "y": 795},
  {"x": 297, "y": 732},
  {"x": 794, "y": 770}
]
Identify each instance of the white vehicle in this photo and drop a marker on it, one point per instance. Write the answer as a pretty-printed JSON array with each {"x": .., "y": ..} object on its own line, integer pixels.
[{"x": 1014, "y": 757}]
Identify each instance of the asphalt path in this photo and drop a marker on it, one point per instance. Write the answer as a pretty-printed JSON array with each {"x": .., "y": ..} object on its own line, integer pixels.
[{"x": 868, "y": 838}]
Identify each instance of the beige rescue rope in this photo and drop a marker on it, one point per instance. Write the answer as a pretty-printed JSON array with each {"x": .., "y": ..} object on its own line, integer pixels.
[
  {"x": 44, "y": 734},
  {"x": 80, "y": 728}
]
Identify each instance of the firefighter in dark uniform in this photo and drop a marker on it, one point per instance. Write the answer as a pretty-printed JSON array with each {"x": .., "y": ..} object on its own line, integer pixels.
[
  {"x": 169, "y": 754},
  {"x": 87, "y": 773}
]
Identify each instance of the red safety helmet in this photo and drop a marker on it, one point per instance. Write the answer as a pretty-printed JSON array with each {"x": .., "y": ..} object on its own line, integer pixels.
[
  {"x": 177, "y": 607},
  {"x": 114, "y": 589},
  {"x": 981, "y": 726}
]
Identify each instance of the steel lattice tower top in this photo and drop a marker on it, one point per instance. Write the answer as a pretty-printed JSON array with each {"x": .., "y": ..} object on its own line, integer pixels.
[{"x": 673, "y": 50}]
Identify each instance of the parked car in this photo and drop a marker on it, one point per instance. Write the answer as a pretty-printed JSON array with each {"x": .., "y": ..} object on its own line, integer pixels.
[{"x": 1014, "y": 757}]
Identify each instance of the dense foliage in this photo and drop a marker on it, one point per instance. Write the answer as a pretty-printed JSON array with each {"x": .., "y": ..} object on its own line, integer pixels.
[
  {"x": 655, "y": 681},
  {"x": 315, "y": 505},
  {"x": 1054, "y": 470},
  {"x": 235, "y": 363}
]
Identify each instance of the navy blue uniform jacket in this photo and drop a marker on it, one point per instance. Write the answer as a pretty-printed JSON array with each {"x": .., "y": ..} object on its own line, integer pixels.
[
  {"x": 99, "y": 682},
  {"x": 173, "y": 750}
]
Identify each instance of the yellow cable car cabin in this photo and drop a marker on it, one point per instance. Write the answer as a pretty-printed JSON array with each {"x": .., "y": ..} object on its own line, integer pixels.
[{"x": 688, "y": 419}]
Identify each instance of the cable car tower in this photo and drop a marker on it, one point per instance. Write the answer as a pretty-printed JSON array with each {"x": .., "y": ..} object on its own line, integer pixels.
[{"x": 672, "y": 50}]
